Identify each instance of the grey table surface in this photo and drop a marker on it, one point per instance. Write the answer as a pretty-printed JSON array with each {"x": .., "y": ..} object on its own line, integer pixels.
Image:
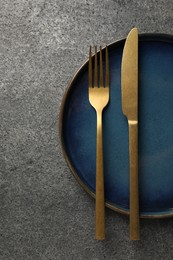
[{"x": 44, "y": 213}]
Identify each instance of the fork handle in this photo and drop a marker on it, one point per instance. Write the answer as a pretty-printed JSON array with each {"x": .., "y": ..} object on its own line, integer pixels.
[
  {"x": 134, "y": 190},
  {"x": 100, "y": 201}
]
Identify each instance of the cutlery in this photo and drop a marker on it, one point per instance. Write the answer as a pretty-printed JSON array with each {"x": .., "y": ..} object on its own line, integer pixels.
[
  {"x": 98, "y": 98},
  {"x": 129, "y": 89}
]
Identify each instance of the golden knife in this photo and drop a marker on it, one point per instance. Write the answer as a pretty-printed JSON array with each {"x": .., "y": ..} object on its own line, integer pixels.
[{"x": 129, "y": 88}]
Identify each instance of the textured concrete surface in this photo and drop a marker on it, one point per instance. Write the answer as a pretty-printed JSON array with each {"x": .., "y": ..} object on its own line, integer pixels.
[{"x": 44, "y": 214}]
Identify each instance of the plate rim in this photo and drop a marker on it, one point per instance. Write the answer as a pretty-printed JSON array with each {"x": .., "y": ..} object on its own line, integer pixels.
[{"x": 142, "y": 37}]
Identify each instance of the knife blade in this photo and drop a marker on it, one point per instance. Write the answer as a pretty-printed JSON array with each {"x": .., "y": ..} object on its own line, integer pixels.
[{"x": 129, "y": 89}]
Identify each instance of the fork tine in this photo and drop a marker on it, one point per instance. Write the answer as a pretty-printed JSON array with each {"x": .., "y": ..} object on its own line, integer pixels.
[
  {"x": 107, "y": 68},
  {"x": 90, "y": 69},
  {"x": 101, "y": 68},
  {"x": 95, "y": 69}
]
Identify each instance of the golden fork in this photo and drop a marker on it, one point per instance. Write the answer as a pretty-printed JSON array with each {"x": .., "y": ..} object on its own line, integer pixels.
[{"x": 99, "y": 97}]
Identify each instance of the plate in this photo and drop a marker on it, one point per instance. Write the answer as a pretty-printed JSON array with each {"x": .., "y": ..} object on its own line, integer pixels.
[{"x": 78, "y": 130}]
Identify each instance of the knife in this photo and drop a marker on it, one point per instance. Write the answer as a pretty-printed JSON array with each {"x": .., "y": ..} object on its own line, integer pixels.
[{"x": 129, "y": 89}]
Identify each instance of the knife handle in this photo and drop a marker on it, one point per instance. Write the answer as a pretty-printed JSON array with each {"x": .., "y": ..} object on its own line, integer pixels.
[
  {"x": 100, "y": 202},
  {"x": 134, "y": 189}
]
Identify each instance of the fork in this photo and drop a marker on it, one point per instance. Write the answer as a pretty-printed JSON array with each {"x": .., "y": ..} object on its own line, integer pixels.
[{"x": 99, "y": 97}]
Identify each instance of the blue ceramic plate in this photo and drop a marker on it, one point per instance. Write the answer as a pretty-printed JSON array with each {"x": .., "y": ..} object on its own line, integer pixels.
[{"x": 78, "y": 130}]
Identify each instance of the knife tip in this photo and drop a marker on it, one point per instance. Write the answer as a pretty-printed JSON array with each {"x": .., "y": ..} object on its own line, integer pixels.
[{"x": 134, "y": 29}]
